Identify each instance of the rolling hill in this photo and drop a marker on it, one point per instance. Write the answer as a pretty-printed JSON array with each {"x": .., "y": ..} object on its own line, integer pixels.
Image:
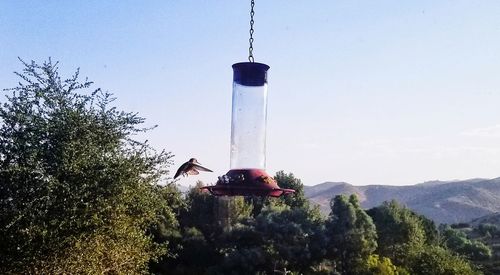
[{"x": 444, "y": 202}]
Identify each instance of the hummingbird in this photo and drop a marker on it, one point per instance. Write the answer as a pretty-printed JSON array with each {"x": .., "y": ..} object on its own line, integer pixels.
[{"x": 191, "y": 167}]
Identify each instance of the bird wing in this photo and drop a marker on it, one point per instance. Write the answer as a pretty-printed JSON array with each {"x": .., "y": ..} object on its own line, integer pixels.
[
  {"x": 180, "y": 170},
  {"x": 201, "y": 168}
]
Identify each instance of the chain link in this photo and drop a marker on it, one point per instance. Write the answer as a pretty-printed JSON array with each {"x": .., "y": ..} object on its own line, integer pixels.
[{"x": 250, "y": 49}]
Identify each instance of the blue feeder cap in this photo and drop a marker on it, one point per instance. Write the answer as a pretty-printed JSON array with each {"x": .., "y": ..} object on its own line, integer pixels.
[{"x": 250, "y": 73}]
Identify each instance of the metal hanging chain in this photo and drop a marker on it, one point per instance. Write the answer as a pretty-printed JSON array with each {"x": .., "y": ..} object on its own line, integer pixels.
[{"x": 250, "y": 49}]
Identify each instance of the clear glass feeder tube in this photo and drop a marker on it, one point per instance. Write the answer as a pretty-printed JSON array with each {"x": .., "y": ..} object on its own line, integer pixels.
[{"x": 249, "y": 116}]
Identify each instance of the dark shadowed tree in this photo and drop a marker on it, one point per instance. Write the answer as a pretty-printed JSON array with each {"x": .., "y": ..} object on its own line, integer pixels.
[
  {"x": 204, "y": 220},
  {"x": 167, "y": 229},
  {"x": 199, "y": 231},
  {"x": 284, "y": 235}
]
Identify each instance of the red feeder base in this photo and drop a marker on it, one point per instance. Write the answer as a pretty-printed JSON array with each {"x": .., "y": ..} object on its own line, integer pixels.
[{"x": 247, "y": 182}]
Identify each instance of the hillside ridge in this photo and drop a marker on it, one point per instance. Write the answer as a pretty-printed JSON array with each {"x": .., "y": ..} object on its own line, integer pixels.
[{"x": 443, "y": 201}]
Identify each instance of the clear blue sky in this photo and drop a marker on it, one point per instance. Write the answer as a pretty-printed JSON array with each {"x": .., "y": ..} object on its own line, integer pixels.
[{"x": 367, "y": 92}]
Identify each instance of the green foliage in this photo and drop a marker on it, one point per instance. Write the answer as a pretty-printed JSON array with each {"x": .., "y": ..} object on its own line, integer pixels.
[
  {"x": 488, "y": 230},
  {"x": 457, "y": 241},
  {"x": 276, "y": 239},
  {"x": 204, "y": 220},
  {"x": 439, "y": 261},
  {"x": 212, "y": 215},
  {"x": 201, "y": 212},
  {"x": 352, "y": 235},
  {"x": 430, "y": 230},
  {"x": 167, "y": 226},
  {"x": 296, "y": 237},
  {"x": 295, "y": 200},
  {"x": 477, "y": 241},
  {"x": 289, "y": 181},
  {"x": 76, "y": 190},
  {"x": 401, "y": 233},
  {"x": 410, "y": 241},
  {"x": 221, "y": 235},
  {"x": 166, "y": 230},
  {"x": 383, "y": 266}
]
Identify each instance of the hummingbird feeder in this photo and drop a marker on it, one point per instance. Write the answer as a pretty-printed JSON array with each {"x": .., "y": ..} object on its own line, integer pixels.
[{"x": 247, "y": 175}]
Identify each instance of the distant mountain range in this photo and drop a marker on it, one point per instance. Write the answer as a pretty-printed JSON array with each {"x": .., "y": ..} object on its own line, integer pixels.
[{"x": 443, "y": 201}]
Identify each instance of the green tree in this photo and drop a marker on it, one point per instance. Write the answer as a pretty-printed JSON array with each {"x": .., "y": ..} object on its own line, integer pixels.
[
  {"x": 201, "y": 212},
  {"x": 289, "y": 181},
  {"x": 401, "y": 233},
  {"x": 408, "y": 239},
  {"x": 296, "y": 237},
  {"x": 199, "y": 232},
  {"x": 76, "y": 191},
  {"x": 439, "y": 261},
  {"x": 458, "y": 241},
  {"x": 431, "y": 232},
  {"x": 280, "y": 238},
  {"x": 352, "y": 235},
  {"x": 488, "y": 230},
  {"x": 211, "y": 214},
  {"x": 167, "y": 229},
  {"x": 204, "y": 219},
  {"x": 281, "y": 234}
]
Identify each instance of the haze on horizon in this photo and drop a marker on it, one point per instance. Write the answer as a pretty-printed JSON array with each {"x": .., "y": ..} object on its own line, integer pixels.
[{"x": 366, "y": 93}]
